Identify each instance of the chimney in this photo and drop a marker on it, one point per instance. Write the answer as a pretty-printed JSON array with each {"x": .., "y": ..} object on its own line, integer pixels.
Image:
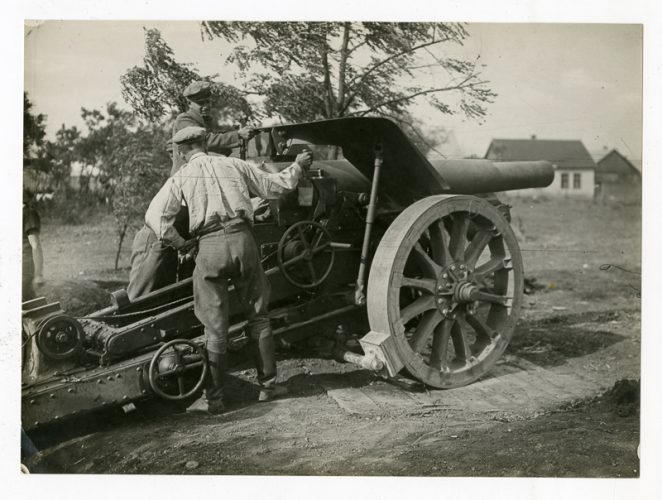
[{"x": 533, "y": 137}]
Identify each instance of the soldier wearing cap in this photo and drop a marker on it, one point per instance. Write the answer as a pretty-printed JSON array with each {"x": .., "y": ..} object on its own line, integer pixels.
[
  {"x": 199, "y": 95},
  {"x": 217, "y": 190}
]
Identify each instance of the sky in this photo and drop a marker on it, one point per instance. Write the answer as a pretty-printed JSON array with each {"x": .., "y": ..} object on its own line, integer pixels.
[{"x": 557, "y": 81}]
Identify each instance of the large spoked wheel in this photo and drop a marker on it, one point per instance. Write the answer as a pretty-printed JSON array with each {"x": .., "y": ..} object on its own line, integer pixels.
[
  {"x": 173, "y": 371},
  {"x": 305, "y": 254},
  {"x": 446, "y": 282}
]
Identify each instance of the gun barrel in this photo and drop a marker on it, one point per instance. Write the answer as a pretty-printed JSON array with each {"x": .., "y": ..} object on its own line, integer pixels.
[{"x": 486, "y": 176}]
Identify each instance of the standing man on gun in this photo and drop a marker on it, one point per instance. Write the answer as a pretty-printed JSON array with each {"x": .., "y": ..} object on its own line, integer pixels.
[
  {"x": 217, "y": 190},
  {"x": 200, "y": 99}
]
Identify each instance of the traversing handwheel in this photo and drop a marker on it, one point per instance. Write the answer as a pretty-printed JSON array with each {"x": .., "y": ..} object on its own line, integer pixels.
[
  {"x": 446, "y": 282},
  {"x": 305, "y": 254},
  {"x": 175, "y": 361}
]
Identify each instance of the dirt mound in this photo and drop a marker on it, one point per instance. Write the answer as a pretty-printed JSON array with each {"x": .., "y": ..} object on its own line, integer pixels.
[
  {"x": 624, "y": 397},
  {"x": 76, "y": 297}
]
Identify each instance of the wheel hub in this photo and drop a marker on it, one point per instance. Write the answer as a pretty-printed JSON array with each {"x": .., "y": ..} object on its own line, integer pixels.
[{"x": 454, "y": 287}]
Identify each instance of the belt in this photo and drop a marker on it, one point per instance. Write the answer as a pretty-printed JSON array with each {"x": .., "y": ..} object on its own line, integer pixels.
[{"x": 219, "y": 226}]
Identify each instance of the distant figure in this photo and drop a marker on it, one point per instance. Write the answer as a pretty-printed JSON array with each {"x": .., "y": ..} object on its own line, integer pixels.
[{"x": 33, "y": 256}]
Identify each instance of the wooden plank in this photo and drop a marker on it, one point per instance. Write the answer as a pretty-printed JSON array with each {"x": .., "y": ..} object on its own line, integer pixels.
[{"x": 353, "y": 401}]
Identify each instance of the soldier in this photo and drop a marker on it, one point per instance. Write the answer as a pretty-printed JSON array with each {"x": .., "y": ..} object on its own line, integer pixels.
[
  {"x": 154, "y": 265},
  {"x": 199, "y": 96},
  {"x": 217, "y": 192},
  {"x": 33, "y": 257}
]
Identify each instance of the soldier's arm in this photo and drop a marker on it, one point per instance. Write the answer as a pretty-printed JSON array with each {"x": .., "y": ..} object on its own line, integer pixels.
[
  {"x": 271, "y": 186},
  {"x": 162, "y": 211},
  {"x": 220, "y": 142}
]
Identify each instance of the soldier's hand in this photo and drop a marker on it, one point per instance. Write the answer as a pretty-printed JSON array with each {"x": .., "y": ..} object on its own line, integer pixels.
[
  {"x": 305, "y": 160},
  {"x": 187, "y": 255},
  {"x": 247, "y": 132}
]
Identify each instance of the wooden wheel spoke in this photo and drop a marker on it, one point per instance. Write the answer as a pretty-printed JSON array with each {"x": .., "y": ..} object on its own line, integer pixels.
[
  {"x": 491, "y": 266},
  {"x": 483, "y": 332},
  {"x": 180, "y": 385},
  {"x": 425, "y": 328},
  {"x": 429, "y": 267},
  {"x": 461, "y": 343},
  {"x": 419, "y": 306},
  {"x": 440, "y": 344},
  {"x": 492, "y": 298},
  {"x": 458, "y": 239},
  {"x": 476, "y": 247},
  {"x": 439, "y": 243},
  {"x": 424, "y": 284}
]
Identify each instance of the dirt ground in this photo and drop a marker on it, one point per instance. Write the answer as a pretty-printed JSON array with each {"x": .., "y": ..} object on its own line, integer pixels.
[{"x": 563, "y": 401}]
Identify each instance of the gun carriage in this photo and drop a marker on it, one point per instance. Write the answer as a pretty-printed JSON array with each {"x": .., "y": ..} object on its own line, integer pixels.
[{"x": 417, "y": 255}]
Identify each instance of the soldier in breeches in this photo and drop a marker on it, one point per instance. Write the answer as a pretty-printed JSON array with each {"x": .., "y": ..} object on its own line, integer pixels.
[{"x": 217, "y": 191}]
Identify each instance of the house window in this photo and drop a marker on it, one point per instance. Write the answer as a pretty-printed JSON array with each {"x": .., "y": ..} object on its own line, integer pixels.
[
  {"x": 565, "y": 181},
  {"x": 577, "y": 181}
]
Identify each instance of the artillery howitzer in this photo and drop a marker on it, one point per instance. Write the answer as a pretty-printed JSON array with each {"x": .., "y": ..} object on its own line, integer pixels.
[{"x": 431, "y": 241}]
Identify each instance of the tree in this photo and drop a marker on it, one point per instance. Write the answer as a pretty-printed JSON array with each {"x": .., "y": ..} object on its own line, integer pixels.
[
  {"x": 34, "y": 129},
  {"x": 154, "y": 90},
  {"x": 131, "y": 161},
  {"x": 315, "y": 70}
]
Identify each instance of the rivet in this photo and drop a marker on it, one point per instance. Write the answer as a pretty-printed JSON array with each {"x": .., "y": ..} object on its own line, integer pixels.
[
  {"x": 139, "y": 369},
  {"x": 70, "y": 390},
  {"x": 104, "y": 403},
  {"x": 125, "y": 397},
  {"x": 109, "y": 377},
  {"x": 144, "y": 391},
  {"x": 445, "y": 275},
  {"x": 444, "y": 311},
  {"x": 32, "y": 401},
  {"x": 142, "y": 329},
  {"x": 462, "y": 266},
  {"x": 36, "y": 422},
  {"x": 51, "y": 395},
  {"x": 119, "y": 375},
  {"x": 440, "y": 300},
  {"x": 152, "y": 325},
  {"x": 99, "y": 381},
  {"x": 453, "y": 267},
  {"x": 57, "y": 416}
]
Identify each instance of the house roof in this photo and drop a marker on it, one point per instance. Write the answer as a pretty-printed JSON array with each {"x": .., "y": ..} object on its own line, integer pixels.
[
  {"x": 561, "y": 153},
  {"x": 615, "y": 163}
]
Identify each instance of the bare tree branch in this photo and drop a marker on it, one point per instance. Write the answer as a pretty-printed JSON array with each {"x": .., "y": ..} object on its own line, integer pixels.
[
  {"x": 462, "y": 85},
  {"x": 361, "y": 78}
]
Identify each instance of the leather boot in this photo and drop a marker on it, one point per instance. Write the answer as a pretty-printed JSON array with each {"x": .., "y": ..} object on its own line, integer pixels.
[
  {"x": 212, "y": 401},
  {"x": 263, "y": 352}
]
